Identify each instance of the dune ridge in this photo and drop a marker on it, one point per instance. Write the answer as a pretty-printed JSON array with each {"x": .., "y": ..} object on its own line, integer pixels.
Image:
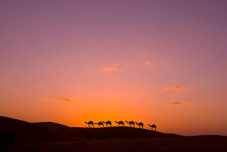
[{"x": 27, "y": 131}]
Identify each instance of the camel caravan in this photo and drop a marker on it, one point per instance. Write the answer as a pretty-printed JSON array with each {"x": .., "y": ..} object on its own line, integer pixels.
[{"x": 120, "y": 123}]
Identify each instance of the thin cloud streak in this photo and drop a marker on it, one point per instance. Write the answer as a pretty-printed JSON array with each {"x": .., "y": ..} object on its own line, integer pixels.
[
  {"x": 179, "y": 103},
  {"x": 176, "y": 88},
  {"x": 107, "y": 69},
  {"x": 61, "y": 99},
  {"x": 152, "y": 102},
  {"x": 120, "y": 67},
  {"x": 112, "y": 68},
  {"x": 41, "y": 84}
]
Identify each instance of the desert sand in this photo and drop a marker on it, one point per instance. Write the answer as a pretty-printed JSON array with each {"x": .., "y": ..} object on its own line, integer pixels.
[{"x": 53, "y": 137}]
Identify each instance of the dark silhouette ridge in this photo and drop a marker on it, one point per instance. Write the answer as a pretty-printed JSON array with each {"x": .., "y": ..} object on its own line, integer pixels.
[
  {"x": 123, "y": 132},
  {"x": 60, "y": 129},
  {"x": 110, "y": 132},
  {"x": 108, "y": 123},
  {"x": 52, "y": 137},
  {"x": 100, "y": 123},
  {"x": 27, "y": 131},
  {"x": 140, "y": 124},
  {"x": 7, "y": 136},
  {"x": 120, "y": 123},
  {"x": 42, "y": 130},
  {"x": 152, "y": 126},
  {"x": 50, "y": 125},
  {"x": 90, "y": 123},
  {"x": 131, "y": 123},
  {"x": 206, "y": 137}
]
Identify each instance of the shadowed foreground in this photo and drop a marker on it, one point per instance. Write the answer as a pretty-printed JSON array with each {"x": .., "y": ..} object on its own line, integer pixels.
[{"x": 53, "y": 137}]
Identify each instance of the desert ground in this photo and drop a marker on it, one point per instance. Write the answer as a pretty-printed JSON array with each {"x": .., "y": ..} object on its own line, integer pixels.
[{"x": 53, "y": 137}]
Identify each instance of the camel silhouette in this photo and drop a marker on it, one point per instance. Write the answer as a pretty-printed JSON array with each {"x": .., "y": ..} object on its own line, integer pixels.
[
  {"x": 100, "y": 123},
  {"x": 139, "y": 124},
  {"x": 120, "y": 123},
  {"x": 90, "y": 123},
  {"x": 131, "y": 123},
  {"x": 108, "y": 123},
  {"x": 152, "y": 126}
]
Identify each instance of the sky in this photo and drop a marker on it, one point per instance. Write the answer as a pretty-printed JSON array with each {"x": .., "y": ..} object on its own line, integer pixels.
[{"x": 152, "y": 61}]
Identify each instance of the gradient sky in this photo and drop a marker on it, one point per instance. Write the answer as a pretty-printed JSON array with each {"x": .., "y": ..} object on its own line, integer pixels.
[{"x": 153, "y": 61}]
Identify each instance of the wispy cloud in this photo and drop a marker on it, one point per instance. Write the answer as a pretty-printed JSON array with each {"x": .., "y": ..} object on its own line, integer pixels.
[
  {"x": 61, "y": 99},
  {"x": 107, "y": 69},
  {"x": 179, "y": 103},
  {"x": 176, "y": 88},
  {"x": 152, "y": 102},
  {"x": 115, "y": 67},
  {"x": 122, "y": 66},
  {"x": 40, "y": 84},
  {"x": 149, "y": 63},
  {"x": 110, "y": 69}
]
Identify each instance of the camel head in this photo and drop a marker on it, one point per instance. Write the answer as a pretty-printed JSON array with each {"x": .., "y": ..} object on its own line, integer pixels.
[{"x": 127, "y": 121}]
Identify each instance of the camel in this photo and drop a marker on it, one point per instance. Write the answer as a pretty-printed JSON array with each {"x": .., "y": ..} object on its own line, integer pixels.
[
  {"x": 152, "y": 126},
  {"x": 90, "y": 123},
  {"x": 139, "y": 124},
  {"x": 120, "y": 123},
  {"x": 100, "y": 123},
  {"x": 131, "y": 123},
  {"x": 108, "y": 123}
]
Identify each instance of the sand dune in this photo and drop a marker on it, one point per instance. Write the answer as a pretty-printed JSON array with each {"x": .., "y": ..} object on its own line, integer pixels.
[
  {"x": 52, "y": 137},
  {"x": 106, "y": 132},
  {"x": 63, "y": 130},
  {"x": 27, "y": 131},
  {"x": 123, "y": 132}
]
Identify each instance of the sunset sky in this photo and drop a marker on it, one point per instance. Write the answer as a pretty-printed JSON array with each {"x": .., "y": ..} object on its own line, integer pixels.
[{"x": 153, "y": 61}]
